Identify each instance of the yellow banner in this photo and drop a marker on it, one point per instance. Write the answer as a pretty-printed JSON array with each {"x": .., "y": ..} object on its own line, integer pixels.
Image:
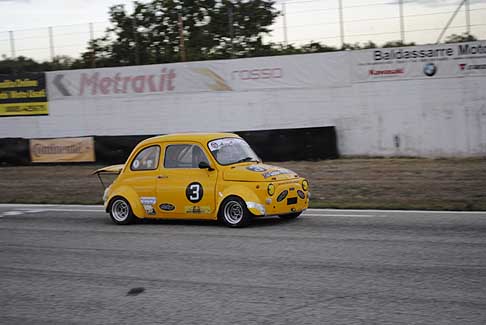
[
  {"x": 16, "y": 109},
  {"x": 62, "y": 150}
]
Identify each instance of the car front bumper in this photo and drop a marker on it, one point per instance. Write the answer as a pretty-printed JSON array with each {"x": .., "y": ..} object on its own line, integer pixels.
[{"x": 290, "y": 204}]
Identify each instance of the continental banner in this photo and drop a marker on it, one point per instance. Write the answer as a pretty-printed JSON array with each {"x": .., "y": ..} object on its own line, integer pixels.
[
  {"x": 420, "y": 62},
  {"x": 23, "y": 94},
  {"x": 62, "y": 150}
]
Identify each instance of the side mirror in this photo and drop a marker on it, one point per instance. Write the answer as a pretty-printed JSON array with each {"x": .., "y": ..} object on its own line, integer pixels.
[{"x": 205, "y": 165}]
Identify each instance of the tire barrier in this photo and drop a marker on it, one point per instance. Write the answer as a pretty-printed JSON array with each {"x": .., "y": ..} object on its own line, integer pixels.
[
  {"x": 293, "y": 144},
  {"x": 270, "y": 145},
  {"x": 116, "y": 149},
  {"x": 14, "y": 152}
]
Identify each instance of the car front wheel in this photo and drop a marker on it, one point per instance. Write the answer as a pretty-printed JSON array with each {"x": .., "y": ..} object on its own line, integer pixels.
[
  {"x": 121, "y": 212},
  {"x": 233, "y": 212}
]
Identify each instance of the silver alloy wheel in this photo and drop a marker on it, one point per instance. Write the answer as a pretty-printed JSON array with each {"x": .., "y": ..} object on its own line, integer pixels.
[
  {"x": 120, "y": 210},
  {"x": 233, "y": 212}
]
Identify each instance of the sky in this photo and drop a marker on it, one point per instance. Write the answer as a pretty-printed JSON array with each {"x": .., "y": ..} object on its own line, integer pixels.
[{"x": 306, "y": 20}]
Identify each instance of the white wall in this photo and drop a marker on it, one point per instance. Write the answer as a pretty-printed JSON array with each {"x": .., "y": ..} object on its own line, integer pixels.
[{"x": 439, "y": 116}]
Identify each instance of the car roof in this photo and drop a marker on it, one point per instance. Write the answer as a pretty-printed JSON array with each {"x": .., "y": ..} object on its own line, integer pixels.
[{"x": 197, "y": 137}]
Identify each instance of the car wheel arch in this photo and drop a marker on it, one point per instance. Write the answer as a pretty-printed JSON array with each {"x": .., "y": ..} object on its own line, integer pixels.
[
  {"x": 244, "y": 194},
  {"x": 131, "y": 197}
]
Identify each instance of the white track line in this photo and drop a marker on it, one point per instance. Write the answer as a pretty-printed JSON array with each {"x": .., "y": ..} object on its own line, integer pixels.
[
  {"x": 396, "y": 211},
  {"x": 20, "y": 209},
  {"x": 342, "y": 215},
  {"x": 19, "y": 205},
  {"x": 61, "y": 210},
  {"x": 10, "y": 213},
  {"x": 31, "y": 211}
]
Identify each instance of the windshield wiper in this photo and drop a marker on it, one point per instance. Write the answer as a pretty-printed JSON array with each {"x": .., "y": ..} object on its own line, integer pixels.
[{"x": 245, "y": 160}]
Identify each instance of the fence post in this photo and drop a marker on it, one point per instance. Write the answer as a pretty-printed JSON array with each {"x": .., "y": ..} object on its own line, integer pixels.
[
  {"x": 182, "y": 45},
  {"x": 230, "y": 26},
  {"x": 135, "y": 39},
  {"x": 284, "y": 16},
  {"x": 51, "y": 43},
  {"x": 12, "y": 43},
  {"x": 450, "y": 21},
  {"x": 341, "y": 22},
  {"x": 93, "y": 52},
  {"x": 402, "y": 23},
  {"x": 91, "y": 32}
]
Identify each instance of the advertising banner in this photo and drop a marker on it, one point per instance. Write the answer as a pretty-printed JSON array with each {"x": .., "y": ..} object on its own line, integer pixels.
[
  {"x": 429, "y": 61},
  {"x": 23, "y": 94},
  {"x": 62, "y": 150},
  {"x": 297, "y": 71}
]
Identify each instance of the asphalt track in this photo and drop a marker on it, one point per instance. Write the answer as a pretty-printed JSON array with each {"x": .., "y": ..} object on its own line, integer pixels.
[{"x": 70, "y": 264}]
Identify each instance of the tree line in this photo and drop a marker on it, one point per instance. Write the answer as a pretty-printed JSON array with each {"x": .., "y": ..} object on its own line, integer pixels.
[{"x": 165, "y": 31}]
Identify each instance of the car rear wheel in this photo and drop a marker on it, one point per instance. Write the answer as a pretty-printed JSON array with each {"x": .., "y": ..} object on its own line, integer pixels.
[
  {"x": 121, "y": 212},
  {"x": 290, "y": 216},
  {"x": 233, "y": 212}
]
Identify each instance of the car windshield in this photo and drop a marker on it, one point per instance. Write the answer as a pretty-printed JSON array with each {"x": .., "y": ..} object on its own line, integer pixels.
[{"x": 229, "y": 151}]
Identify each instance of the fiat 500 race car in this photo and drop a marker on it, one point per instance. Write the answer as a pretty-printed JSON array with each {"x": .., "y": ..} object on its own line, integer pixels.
[{"x": 213, "y": 176}]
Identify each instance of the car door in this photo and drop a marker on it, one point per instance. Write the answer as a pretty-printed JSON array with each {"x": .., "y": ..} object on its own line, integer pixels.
[
  {"x": 183, "y": 189},
  {"x": 142, "y": 176}
]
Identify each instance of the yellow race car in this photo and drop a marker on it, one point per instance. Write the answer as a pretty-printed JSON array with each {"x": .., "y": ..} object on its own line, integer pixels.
[{"x": 214, "y": 176}]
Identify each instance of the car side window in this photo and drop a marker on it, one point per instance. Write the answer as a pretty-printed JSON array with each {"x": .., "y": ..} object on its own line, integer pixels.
[
  {"x": 147, "y": 159},
  {"x": 184, "y": 156}
]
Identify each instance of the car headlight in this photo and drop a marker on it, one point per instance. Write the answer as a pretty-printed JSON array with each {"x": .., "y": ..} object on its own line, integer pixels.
[
  {"x": 271, "y": 189},
  {"x": 305, "y": 185}
]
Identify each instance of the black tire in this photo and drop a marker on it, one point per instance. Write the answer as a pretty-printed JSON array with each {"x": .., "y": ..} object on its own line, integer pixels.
[
  {"x": 290, "y": 216},
  {"x": 121, "y": 212},
  {"x": 234, "y": 213}
]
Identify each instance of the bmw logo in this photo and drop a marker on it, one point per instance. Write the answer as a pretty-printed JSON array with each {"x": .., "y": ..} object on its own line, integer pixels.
[{"x": 430, "y": 69}]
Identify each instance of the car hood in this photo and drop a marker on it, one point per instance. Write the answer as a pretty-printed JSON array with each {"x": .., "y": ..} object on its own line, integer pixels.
[{"x": 258, "y": 173}]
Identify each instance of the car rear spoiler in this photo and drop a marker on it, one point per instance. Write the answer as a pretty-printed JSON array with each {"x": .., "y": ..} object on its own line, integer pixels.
[{"x": 113, "y": 169}]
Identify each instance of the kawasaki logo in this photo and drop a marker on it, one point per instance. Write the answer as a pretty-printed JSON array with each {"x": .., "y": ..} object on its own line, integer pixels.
[{"x": 386, "y": 72}]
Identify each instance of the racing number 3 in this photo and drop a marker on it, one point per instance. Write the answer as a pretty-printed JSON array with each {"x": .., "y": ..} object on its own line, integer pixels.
[{"x": 194, "y": 192}]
